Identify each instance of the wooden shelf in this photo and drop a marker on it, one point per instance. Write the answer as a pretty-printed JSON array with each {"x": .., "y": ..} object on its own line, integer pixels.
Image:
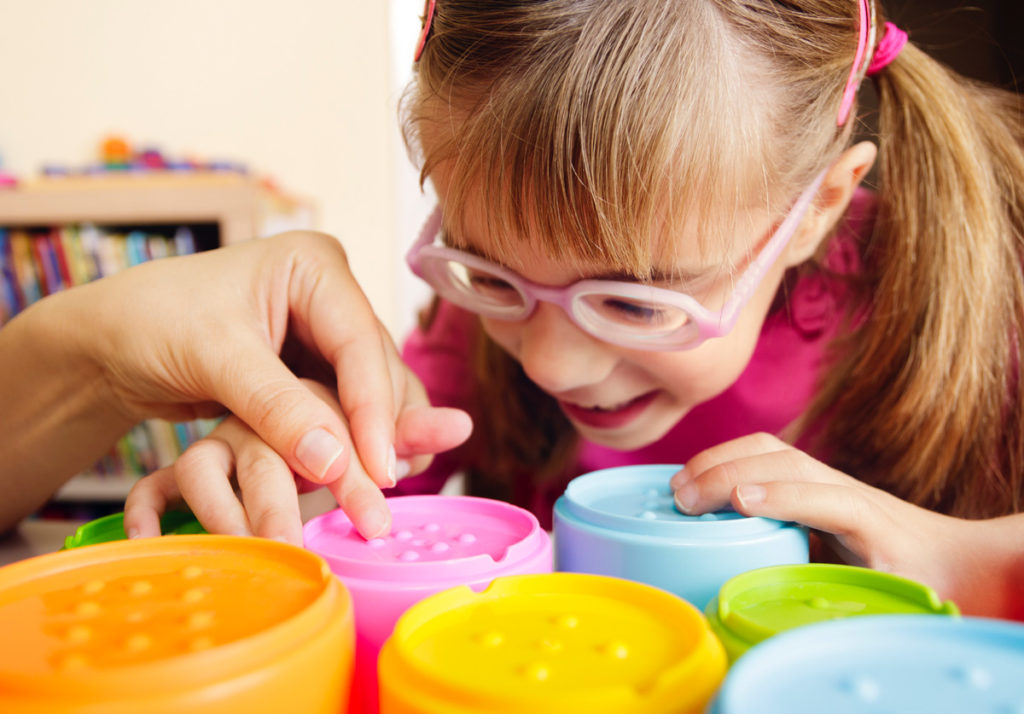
[{"x": 239, "y": 204}]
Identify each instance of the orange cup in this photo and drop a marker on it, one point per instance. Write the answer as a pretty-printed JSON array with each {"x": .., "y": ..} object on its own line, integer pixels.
[{"x": 177, "y": 624}]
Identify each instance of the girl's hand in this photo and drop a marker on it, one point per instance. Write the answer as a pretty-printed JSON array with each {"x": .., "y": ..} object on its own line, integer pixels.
[
  {"x": 760, "y": 475},
  {"x": 268, "y": 504}
]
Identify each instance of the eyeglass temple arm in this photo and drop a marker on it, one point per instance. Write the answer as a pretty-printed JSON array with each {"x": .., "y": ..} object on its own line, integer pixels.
[{"x": 755, "y": 271}]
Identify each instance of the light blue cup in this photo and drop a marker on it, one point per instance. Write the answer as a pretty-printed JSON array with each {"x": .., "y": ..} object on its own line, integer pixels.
[
  {"x": 882, "y": 663},
  {"x": 623, "y": 522}
]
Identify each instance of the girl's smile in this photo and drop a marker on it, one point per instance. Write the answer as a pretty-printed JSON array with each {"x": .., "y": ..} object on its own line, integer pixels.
[{"x": 615, "y": 416}]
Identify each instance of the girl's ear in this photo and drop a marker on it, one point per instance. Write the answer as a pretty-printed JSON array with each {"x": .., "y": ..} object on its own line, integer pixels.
[{"x": 830, "y": 204}]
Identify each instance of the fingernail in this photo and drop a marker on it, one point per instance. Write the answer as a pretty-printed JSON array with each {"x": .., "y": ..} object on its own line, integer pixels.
[
  {"x": 682, "y": 477},
  {"x": 402, "y": 469},
  {"x": 750, "y": 494},
  {"x": 686, "y": 498},
  {"x": 133, "y": 533},
  {"x": 279, "y": 538},
  {"x": 376, "y": 523},
  {"x": 391, "y": 467},
  {"x": 317, "y": 451}
]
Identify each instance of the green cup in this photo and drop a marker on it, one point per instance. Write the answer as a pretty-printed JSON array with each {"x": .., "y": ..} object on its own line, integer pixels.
[
  {"x": 111, "y": 528},
  {"x": 753, "y": 606}
]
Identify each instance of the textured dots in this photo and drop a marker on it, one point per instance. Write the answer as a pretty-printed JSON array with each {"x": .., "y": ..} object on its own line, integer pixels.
[
  {"x": 79, "y": 634},
  {"x": 467, "y": 539},
  {"x": 87, "y": 608},
  {"x": 431, "y": 527},
  {"x": 200, "y": 620},
  {"x": 72, "y": 662},
  {"x": 376, "y": 543},
  {"x": 549, "y": 645},
  {"x": 140, "y": 587},
  {"x": 707, "y": 517},
  {"x": 440, "y": 547},
  {"x": 567, "y": 621},
  {"x": 649, "y": 515},
  {"x": 615, "y": 649},
  {"x": 974, "y": 677},
  {"x": 491, "y": 638},
  {"x": 138, "y": 643},
  {"x": 191, "y": 572},
  {"x": 193, "y": 595},
  {"x": 417, "y": 542},
  {"x": 864, "y": 688},
  {"x": 93, "y": 586},
  {"x": 537, "y": 671},
  {"x": 409, "y": 556},
  {"x": 403, "y": 535},
  {"x": 819, "y": 603}
]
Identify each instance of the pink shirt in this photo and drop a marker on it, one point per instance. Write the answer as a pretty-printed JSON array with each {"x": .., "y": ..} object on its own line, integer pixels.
[{"x": 776, "y": 387}]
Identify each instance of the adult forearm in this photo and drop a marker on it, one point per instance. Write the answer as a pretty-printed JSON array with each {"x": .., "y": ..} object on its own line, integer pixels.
[{"x": 55, "y": 419}]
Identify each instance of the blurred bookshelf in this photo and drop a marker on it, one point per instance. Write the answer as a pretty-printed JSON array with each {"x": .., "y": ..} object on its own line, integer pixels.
[{"x": 58, "y": 232}]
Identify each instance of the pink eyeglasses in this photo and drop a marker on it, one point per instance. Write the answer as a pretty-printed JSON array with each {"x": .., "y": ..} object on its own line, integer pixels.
[{"x": 627, "y": 314}]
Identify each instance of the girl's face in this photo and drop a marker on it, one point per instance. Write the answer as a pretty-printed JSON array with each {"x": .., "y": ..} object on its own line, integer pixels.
[{"x": 619, "y": 397}]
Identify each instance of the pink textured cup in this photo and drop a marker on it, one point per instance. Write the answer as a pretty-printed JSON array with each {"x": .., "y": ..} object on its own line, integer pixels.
[{"x": 436, "y": 543}]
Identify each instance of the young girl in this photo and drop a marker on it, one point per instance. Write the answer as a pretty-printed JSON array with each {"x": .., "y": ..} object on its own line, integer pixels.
[{"x": 651, "y": 247}]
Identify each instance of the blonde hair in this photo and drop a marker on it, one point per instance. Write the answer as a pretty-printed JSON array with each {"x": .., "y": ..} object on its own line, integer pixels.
[{"x": 598, "y": 127}]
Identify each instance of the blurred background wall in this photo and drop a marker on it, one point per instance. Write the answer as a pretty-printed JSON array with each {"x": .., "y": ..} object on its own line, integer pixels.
[{"x": 303, "y": 91}]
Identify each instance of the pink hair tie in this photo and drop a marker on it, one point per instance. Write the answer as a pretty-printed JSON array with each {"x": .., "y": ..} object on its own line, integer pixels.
[
  {"x": 889, "y": 48},
  {"x": 428, "y": 19}
]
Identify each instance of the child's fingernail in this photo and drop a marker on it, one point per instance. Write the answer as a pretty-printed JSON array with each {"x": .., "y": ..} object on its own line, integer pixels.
[
  {"x": 392, "y": 480},
  {"x": 375, "y": 523},
  {"x": 751, "y": 494},
  {"x": 317, "y": 451},
  {"x": 133, "y": 533},
  {"x": 679, "y": 479},
  {"x": 403, "y": 469},
  {"x": 686, "y": 498}
]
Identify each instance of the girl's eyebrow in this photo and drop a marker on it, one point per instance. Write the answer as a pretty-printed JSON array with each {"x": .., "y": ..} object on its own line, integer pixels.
[{"x": 655, "y": 276}]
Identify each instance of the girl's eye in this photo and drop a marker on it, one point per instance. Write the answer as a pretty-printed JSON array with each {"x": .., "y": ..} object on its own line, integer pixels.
[
  {"x": 484, "y": 283},
  {"x": 633, "y": 312}
]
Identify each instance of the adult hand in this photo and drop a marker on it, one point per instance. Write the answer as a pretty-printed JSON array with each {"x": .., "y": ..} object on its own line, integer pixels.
[
  {"x": 760, "y": 475},
  {"x": 268, "y": 504},
  {"x": 199, "y": 335}
]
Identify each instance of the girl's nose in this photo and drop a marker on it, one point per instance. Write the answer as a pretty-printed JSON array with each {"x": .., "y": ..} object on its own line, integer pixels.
[{"x": 558, "y": 355}]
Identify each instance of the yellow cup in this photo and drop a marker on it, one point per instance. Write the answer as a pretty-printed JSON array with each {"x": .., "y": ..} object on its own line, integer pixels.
[
  {"x": 195, "y": 624},
  {"x": 554, "y": 643}
]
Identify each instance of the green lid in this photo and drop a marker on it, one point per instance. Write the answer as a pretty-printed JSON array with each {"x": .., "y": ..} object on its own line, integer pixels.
[
  {"x": 110, "y": 528},
  {"x": 755, "y": 605}
]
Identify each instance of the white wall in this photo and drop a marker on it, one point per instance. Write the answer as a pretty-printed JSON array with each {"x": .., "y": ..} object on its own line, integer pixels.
[{"x": 301, "y": 90}]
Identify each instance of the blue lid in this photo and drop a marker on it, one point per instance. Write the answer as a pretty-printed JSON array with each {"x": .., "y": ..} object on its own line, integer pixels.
[
  {"x": 638, "y": 499},
  {"x": 883, "y": 663}
]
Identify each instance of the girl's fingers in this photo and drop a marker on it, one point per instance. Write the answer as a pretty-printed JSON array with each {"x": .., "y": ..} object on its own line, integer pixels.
[
  {"x": 203, "y": 474},
  {"x": 850, "y": 514},
  {"x": 148, "y": 501},
  {"x": 710, "y": 489},
  {"x": 745, "y": 446},
  {"x": 268, "y": 493},
  {"x": 423, "y": 431}
]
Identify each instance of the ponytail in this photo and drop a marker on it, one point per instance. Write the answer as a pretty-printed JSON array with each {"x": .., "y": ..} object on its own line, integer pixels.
[{"x": 926, "y": 403}]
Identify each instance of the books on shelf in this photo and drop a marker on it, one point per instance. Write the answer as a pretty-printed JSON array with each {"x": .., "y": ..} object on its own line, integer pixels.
[{"x": 39, "y": 262}]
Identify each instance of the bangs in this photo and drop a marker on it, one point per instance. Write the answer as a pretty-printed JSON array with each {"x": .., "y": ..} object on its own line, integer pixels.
[{"x": 591, "y": 148}]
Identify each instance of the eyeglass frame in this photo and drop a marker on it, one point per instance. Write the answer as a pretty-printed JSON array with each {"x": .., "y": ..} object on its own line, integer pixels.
[{"x": 708, "y": 324}]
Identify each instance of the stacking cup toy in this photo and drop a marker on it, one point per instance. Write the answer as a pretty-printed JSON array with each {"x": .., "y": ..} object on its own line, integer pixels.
[
  {"x": 436, "y": 542},
  {"x": 623, "y": 522},
  {"x": 196, "y": 624},
  {"x": 555, "y": 643},
  {"x": 759, "y": 604},
  {"x": 111, "y": 528},
  {"x": 882, "y": 663}
]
